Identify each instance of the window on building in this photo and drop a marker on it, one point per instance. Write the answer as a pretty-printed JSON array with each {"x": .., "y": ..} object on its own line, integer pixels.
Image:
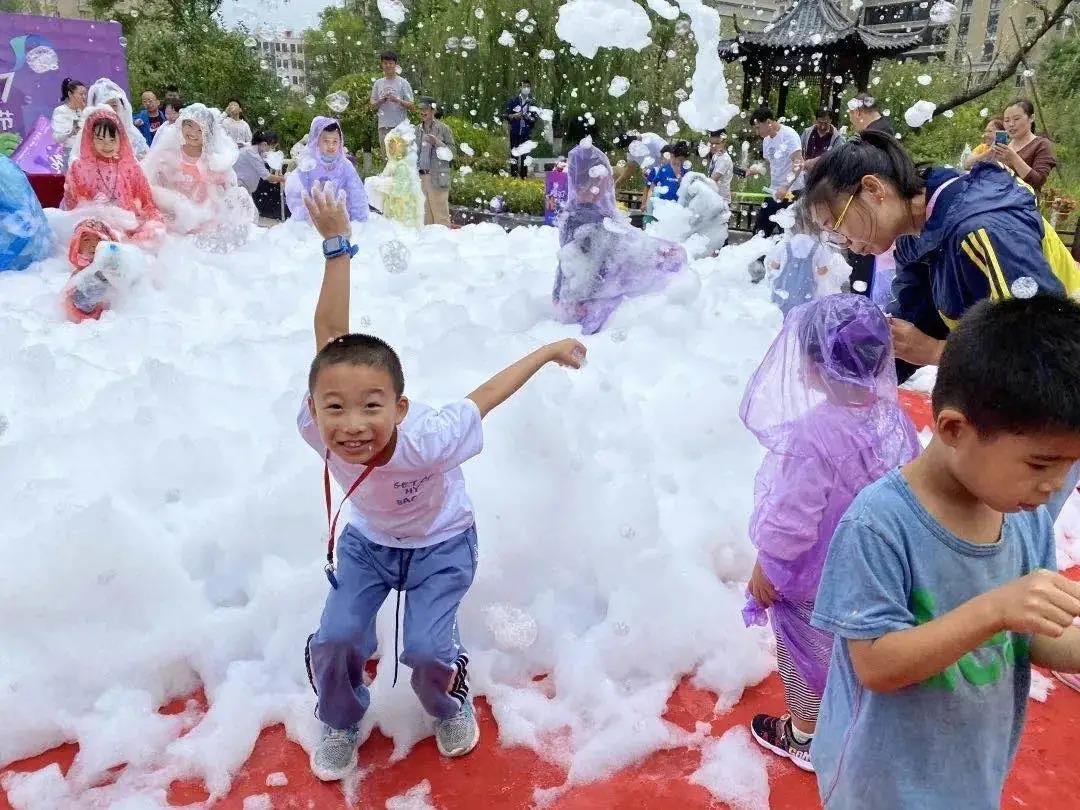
[{"x": 295, "y": 80}]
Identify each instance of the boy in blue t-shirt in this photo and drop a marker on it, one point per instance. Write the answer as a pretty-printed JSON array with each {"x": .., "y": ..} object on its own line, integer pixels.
[
  {"x": 940, "y": 585},
  {"x": 662, "y": 182}
]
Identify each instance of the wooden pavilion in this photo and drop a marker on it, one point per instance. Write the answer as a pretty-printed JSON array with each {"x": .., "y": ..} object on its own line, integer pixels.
[{"x": 812, "y": 38}]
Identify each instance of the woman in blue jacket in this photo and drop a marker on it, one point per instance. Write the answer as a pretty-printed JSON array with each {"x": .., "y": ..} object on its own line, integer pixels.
[{"x": 960, "y": 238}]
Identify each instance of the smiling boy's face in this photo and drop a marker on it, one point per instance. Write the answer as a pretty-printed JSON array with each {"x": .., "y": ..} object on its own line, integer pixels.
[{"x": 356, "y": 410}]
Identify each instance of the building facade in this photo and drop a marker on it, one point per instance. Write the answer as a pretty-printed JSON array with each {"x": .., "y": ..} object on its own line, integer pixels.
[
  {"x": 284, "y": 53},
  {"x": 982, "y": 32}
]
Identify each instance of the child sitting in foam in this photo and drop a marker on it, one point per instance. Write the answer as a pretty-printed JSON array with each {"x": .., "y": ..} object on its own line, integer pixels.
[
  {"x": 602, "y": 258},
  {"x": 396, "y": 191},
  {"x": 190, "y": 168},
  {"x": 323, "y": 163},
  {"x": 107, "y": 182},
  {"x": 100, "y": 268}
]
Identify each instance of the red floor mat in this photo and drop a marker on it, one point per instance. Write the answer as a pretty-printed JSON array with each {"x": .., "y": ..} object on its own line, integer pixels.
[{"x": 494, "y": 777}]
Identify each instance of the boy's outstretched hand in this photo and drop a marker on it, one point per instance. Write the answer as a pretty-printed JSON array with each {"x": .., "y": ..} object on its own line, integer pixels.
[
  {"x": 328, "y": 211},
  {"x": 568, "y": 353}
]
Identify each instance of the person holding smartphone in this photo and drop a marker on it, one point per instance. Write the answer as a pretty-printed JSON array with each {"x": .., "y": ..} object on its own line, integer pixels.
[{"x": 994, "y": 133}]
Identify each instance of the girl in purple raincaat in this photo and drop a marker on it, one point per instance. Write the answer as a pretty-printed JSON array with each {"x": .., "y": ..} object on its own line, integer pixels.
[
  {"x": 602, "y": 258},
  {"x": 824, "y": 405},
  {"x": 322, "y": 162}
]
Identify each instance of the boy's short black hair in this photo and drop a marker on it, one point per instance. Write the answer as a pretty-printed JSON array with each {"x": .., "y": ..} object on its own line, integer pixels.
[
  {"x": 718, "y": 133},
  {"x": 761, "y": 114},
  {"x": 334, "y": 127},
  {"x": 175, "y": 105},
  {"x": 1014, "y": 366},
  {"x": 388, "y": 56},
  {"x": 359, "y": 350},
  {"x": 269, "y": 136},
  {"x": 106, "y": 126},
  {"x": 680, "y": 149}
]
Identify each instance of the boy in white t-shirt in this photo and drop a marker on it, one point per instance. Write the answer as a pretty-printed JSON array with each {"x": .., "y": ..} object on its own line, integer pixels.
[
  {"x": 411, "y": 525},
  {"x": 782, "y": 148}
]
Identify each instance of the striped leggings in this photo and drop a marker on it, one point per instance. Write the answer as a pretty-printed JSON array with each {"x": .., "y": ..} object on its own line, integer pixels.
[{"x": 802, "y": 701}]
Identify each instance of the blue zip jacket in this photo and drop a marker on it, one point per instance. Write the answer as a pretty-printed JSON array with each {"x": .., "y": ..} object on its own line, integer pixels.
[{"x": 984, "y": 239}]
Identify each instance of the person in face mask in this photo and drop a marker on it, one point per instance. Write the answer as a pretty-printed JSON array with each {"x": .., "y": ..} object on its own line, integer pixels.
[{"x": 522, "y": 113}]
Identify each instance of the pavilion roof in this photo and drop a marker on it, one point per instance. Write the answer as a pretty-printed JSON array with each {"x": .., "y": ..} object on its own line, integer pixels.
[{"x": 820, "y": 24}]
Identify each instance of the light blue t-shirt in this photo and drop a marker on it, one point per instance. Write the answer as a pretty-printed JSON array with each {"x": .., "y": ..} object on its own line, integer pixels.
[{"x": 948, "y": 742}]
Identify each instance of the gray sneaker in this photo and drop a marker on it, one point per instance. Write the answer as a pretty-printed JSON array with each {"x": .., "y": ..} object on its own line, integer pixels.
[
  {"x": 459, "y": 734},
  {"x": 335, "y": 755}
]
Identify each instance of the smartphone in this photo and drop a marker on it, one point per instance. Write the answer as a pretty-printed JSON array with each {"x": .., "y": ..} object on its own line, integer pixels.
[{"x": 1001, "y": 137}]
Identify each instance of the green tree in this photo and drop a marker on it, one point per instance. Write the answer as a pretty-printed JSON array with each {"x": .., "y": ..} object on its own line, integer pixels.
[{"x": 208, "y": 64}]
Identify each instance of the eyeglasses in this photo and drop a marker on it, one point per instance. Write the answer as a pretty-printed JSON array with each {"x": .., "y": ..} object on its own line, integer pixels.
[{"x": 832, "y": 236}]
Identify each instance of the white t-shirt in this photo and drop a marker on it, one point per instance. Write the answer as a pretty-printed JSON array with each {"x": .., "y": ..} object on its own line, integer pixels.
[
  {"x": 722, "y": 169},
  {"x": 778, "y": 150},
  {"x": 418, "y": 499},
  {"x": 390, "y": 113}
]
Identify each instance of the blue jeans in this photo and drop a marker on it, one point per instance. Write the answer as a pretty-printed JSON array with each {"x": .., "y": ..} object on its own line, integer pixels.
[{"x": 434, "y": 581}]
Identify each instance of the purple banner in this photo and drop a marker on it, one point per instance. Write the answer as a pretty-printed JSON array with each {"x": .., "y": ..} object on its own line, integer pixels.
[
  {"x": 39, "y": 153},
  {"x": 556, "y": 187},
  {"x": 38, "y": 53}
]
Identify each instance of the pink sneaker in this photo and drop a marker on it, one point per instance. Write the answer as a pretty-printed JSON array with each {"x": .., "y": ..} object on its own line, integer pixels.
[{"x": 1071, "y": 680}]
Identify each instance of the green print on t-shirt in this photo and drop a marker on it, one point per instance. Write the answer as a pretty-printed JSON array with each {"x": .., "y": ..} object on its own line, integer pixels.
[{"x": 1012, "y": 648}]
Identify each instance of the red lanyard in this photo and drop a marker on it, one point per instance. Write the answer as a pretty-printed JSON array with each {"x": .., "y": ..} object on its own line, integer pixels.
[{"x": 331, "y": 525}]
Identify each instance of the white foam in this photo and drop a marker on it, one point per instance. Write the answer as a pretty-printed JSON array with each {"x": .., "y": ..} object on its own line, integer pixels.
[
  {"x": 733, "y": 769},
  {"x": 589, "y": 25},
  {"x": 164, "y": 527},
  {"x": 417, "y": 797}
]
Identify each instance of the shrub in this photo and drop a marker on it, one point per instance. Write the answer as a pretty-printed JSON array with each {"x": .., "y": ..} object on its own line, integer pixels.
[
  {"x": 477, "y": 189},
  {"x": 491, "y": 148}
]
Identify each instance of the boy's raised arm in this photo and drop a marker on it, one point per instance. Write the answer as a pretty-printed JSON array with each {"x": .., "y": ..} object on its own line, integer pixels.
[
  {"x": 330, "y": 216},
  {"x": 507, "y": 382}
]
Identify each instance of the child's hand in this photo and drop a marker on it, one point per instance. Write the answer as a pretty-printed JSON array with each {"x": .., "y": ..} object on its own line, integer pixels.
[
  {"x": 760, "y": 588},
  {"x": 1043, "y": 602},
  {"x": 328, "y": 212},
  {"x": 568, "y": 353}
]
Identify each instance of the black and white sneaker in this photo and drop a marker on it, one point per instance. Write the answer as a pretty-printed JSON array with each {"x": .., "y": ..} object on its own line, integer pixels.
[{"x": 774, "y": 733}]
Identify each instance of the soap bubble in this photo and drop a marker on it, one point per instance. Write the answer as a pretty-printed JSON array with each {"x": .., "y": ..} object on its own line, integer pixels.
[
  {"x": 479, "y": 13},
  {"x": 619, "y": 86},
  {"x": 42, "y": 59},
  {"x": 251, "y": 42},
  {"x": 858, "y": 286},
  {"x": 924, "y": 79},
  {"x": 453, "y": 43},
  {"x": 1025, "y": 287},
  {"x": 546, "y": 55},
  {"x": 642, "y": 107},
  {"x": 522, "y": 15},
  {"x": 513, "y": 628},
  {"x": 621, "y": 629},
  {"x": 627, "y": 532},
  {"x": 338, "y": 102},
  {"x": 310, "y": 99},
  {"x": 942, "y": 12},
  {"x": 394, "y": 255},
  {"x": 468, "y": 43}
]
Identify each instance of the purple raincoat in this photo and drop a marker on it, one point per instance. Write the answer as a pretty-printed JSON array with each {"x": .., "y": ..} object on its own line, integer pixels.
[
  {"x": 316, "y": 169},
  {"x": 602, "y": 258},
  {"x": 825, "y": 406}
]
